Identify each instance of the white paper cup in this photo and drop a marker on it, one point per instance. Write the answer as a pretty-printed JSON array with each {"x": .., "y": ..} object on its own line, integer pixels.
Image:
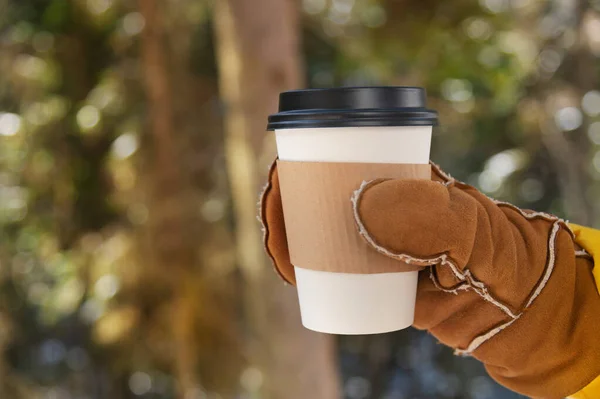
[
  {"x": 355, "y": 125},
  {"x": 346, "y": 303}
]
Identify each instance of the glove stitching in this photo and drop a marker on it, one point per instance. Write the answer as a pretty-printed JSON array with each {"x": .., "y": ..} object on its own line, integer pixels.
[
  {"x": 582, "y": 253},
  {"x": 530, "y": 215},
  {"x": 526, "y": 215},
  {"x": 448, "y": 179},
  {"x": 550, "y": 264},
  {"x": 481, "y": 339},
  {"x": 469, "y": 280},
  {"x": 434, "y": 278},
  {"x": 441, "y": 260}
]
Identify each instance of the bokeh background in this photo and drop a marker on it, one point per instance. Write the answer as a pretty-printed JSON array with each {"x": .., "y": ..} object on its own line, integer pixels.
[{"x": 133, "y": 148}]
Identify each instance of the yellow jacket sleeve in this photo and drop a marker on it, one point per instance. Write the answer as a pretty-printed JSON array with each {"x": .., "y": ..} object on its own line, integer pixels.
[{"x": 589, "y": 239}]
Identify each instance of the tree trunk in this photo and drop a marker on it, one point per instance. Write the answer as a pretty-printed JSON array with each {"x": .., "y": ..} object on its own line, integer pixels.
[
  {"x": 258, "y": 57},
  {"x": 171, "y": 211}
]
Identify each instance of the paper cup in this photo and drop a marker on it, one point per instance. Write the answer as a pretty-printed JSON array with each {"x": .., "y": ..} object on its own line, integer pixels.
[{"x": 351, "y": 303}]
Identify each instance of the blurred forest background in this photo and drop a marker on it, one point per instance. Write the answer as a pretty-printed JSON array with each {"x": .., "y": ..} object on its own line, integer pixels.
[{"x": 133, "y": 148}]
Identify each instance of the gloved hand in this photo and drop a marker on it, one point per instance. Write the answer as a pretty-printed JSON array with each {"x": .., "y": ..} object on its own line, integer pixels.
[{"x": 505, "y": 285}]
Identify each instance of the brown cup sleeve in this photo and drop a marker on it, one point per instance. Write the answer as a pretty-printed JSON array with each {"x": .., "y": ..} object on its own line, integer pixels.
[{"x": 320, "y": 227}]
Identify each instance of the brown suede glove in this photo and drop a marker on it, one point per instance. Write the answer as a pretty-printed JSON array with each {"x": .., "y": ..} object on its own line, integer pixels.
[{"x": 504, "y": 285}]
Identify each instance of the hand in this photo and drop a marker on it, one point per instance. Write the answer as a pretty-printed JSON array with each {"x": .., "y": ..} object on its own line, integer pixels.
[{"x": 504, "y": 285}]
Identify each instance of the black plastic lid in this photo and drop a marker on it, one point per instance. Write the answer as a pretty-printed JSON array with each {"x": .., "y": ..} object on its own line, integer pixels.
[{"x": 353, "y": 106}]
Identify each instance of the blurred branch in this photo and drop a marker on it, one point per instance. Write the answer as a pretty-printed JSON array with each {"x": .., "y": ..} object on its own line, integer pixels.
[
  {"x": 158, "y": 87},
  {"x": 570, "y": 156},
  {"x": 570, "y": 174}
]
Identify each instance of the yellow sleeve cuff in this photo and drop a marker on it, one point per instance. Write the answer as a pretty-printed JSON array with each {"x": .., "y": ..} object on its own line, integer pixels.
[
  {"x": 592, "y": 391},
  {"x": 589, "y": 239}
]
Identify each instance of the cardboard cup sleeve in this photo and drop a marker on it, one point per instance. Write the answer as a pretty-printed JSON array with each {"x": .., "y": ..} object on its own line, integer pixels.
[{"x": 321, "y": 231}]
